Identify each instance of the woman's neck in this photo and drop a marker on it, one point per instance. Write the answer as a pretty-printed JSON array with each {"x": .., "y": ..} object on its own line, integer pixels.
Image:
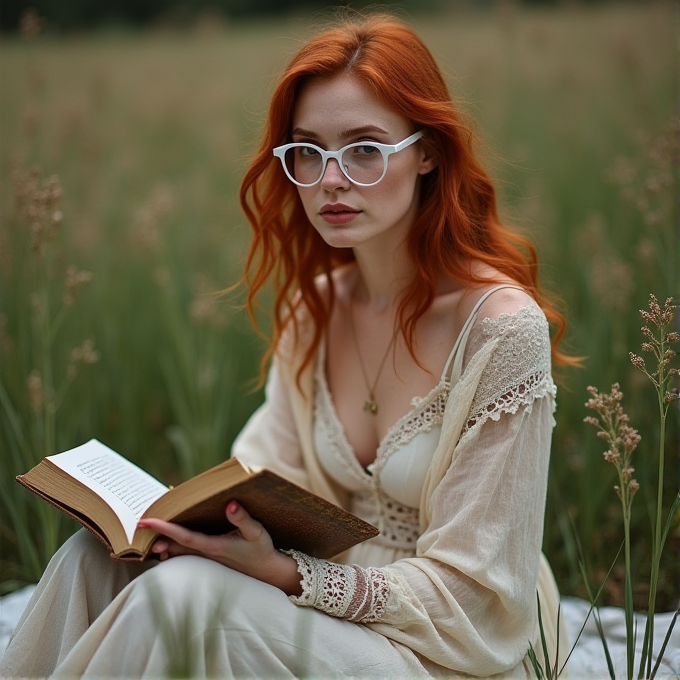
[{"x": 382, "y": 277}]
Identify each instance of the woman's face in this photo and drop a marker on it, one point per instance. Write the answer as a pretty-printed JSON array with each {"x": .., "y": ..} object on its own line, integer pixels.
[{"x": 334, "y": 112}]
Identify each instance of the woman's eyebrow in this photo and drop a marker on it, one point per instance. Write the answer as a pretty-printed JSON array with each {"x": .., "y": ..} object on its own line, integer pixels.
[
  {"x": 354, "y": 132},
  {"x": 345, "y": 134}
]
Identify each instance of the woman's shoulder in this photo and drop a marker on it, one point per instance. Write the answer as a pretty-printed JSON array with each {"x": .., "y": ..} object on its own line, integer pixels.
[
  {"x": 502, "y": 299},
  {"x": 502, "y": 309},
  {"x": 516, "y": 324},
  {"x": 495, "y": 296},
  {"x": 514, "y": 329}
]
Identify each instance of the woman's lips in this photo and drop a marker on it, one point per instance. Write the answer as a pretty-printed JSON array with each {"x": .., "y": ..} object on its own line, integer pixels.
[{"x": 338, "y": 213}]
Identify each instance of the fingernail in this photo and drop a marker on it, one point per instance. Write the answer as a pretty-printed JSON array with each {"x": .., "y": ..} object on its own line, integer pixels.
[{"x": 232, "y": 507}]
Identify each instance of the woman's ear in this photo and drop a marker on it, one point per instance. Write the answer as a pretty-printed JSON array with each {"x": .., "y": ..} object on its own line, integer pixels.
[{"x": 428, "y": 162}]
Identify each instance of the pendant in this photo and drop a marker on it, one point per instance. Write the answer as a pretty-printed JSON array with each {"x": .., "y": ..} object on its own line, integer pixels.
[{"x": 371, "y": 407}]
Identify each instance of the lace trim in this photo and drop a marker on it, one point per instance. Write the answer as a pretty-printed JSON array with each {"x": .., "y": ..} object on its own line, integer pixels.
[
  {"x": 521, "y": 359},
  {"x": 325, "y": 414},
  {"x": 522, "y": 395},
  {"x": 308, "y": 581},
  {"x": 427, "y": 412},
  {"x": 344, "y": 591},
  {"x": 400, "y": 523},
  {"x": 379, "y": 588}
]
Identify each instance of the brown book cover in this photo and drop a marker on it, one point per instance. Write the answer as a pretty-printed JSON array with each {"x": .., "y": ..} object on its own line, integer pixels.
[{"x": 294, "y": 517}]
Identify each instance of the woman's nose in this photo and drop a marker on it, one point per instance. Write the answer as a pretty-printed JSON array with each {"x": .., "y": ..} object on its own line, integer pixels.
[{"x": 333, "y": 177}]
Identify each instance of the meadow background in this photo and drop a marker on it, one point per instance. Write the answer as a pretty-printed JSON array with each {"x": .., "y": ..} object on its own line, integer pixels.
[{"x": 108, "y": 328}]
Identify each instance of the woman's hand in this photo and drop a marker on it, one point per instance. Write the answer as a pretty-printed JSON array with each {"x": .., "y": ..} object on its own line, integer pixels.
[{"x": 248, "y": 548}]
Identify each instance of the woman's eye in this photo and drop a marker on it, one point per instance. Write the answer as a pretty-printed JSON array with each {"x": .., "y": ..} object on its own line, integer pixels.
[
  {"x": 307, "y": 151},
  {"x": 365, "y": 150}
]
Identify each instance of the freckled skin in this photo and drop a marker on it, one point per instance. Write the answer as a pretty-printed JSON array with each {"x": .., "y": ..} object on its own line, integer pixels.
[{"x": 330, "y": 107}]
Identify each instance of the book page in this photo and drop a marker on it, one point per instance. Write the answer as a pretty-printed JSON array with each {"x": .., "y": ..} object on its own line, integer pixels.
[{"x": 126, "y": 488}]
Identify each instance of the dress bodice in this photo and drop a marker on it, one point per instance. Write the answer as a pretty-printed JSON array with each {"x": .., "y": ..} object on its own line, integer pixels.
[
  {"x": 402, "y": 457},
  {"x": 387, "y": 493}
]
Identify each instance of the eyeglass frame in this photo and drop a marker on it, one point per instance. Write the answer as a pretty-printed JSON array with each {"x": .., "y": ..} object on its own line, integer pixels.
[{"x": 386, "y": 151}]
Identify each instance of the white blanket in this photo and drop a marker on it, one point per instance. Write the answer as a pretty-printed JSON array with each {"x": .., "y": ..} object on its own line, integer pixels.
[{"x": 586, "y": 661}]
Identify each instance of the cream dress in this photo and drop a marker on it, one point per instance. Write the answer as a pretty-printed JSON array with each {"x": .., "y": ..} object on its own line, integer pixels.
[{"x": 448, "y": 589}]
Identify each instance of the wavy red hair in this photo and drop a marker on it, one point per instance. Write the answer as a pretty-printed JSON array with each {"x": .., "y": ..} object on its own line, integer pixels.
[{"x": 458, "y": 217}]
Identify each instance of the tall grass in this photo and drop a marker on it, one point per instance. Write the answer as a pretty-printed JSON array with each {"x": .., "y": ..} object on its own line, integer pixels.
[{"x": 149, "y": 134}]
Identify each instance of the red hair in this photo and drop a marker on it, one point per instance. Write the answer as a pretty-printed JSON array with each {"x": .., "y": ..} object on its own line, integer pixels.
[{"x": 457, "y": 220}]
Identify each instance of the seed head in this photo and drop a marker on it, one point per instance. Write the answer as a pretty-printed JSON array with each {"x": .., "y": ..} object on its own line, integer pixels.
[
  {"x": 637, "y": 361},
  {"x": 86, "y": 353},
  {"x": 38, "y": 204},
  {"x": 613, "y": 428},
  {"x": 36, "y": 397},
  {"x": 633, "y": 486},
  {"x": 75, "y": 280},
  {"x": 82, "y": 356},
  {"x": 149, "y": 217},
  {"x": 612, "y": 456}
]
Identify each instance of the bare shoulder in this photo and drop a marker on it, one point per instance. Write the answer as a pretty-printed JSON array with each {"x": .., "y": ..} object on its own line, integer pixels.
[
  {"x": 497, "y": 296},
  {"x": 501, "y": 295},
  {"x": 506, "y": 300}
]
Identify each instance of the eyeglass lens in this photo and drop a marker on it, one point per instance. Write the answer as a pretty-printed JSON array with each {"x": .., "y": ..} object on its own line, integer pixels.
[{"x": 363, "y": 163}]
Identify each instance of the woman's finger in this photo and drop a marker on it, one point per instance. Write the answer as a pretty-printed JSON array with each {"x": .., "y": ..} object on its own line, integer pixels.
[
  {"x": 165, "y": 547},
  {"x": 160, "y": 545},
  {"x": 195, "y": 541},
  {"x": 250, "y": 528}
]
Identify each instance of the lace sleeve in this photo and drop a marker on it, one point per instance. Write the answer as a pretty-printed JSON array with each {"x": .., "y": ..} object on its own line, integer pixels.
[
  {"x": 344, "y": 591},
  {"x": 519, "y": 369}
]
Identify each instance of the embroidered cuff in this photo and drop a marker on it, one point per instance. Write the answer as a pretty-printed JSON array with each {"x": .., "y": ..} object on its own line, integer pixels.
[{"x": 344, "y": 591}]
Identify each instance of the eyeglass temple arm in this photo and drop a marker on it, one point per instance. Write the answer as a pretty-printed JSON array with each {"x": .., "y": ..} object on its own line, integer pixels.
[{"x": 408, "y": 141}]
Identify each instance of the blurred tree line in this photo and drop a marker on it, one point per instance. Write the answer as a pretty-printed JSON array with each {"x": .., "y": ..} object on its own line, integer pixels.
[{"x": 76, "y": 15}]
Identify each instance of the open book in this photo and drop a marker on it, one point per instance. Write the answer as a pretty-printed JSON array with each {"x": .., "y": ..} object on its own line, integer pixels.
[{"x": 108, "y": 495}]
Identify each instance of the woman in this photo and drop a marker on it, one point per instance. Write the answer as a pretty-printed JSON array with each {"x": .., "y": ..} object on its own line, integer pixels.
[{"x": 410, "y": 382}]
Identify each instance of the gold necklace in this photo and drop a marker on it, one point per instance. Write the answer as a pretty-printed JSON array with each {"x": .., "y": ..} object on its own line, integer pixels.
[{"x": 370, "y": 405}]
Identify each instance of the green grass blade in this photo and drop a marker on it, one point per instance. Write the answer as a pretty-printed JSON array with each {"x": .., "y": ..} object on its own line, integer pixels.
[
  {"x": 535, "y": 663},
  {"x": 664, "y": 645},
  {"x": 544, "y": 643}
]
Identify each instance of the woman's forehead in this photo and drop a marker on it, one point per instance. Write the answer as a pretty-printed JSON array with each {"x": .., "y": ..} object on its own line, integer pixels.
[{"x": 344, "y": 105}]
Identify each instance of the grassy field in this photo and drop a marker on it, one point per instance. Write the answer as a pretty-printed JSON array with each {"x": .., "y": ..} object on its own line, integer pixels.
[{"x": 148, "y": 135}]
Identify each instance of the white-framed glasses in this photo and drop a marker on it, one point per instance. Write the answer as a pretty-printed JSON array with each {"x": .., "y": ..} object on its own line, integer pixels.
[{"x": 363, "y": 163}]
